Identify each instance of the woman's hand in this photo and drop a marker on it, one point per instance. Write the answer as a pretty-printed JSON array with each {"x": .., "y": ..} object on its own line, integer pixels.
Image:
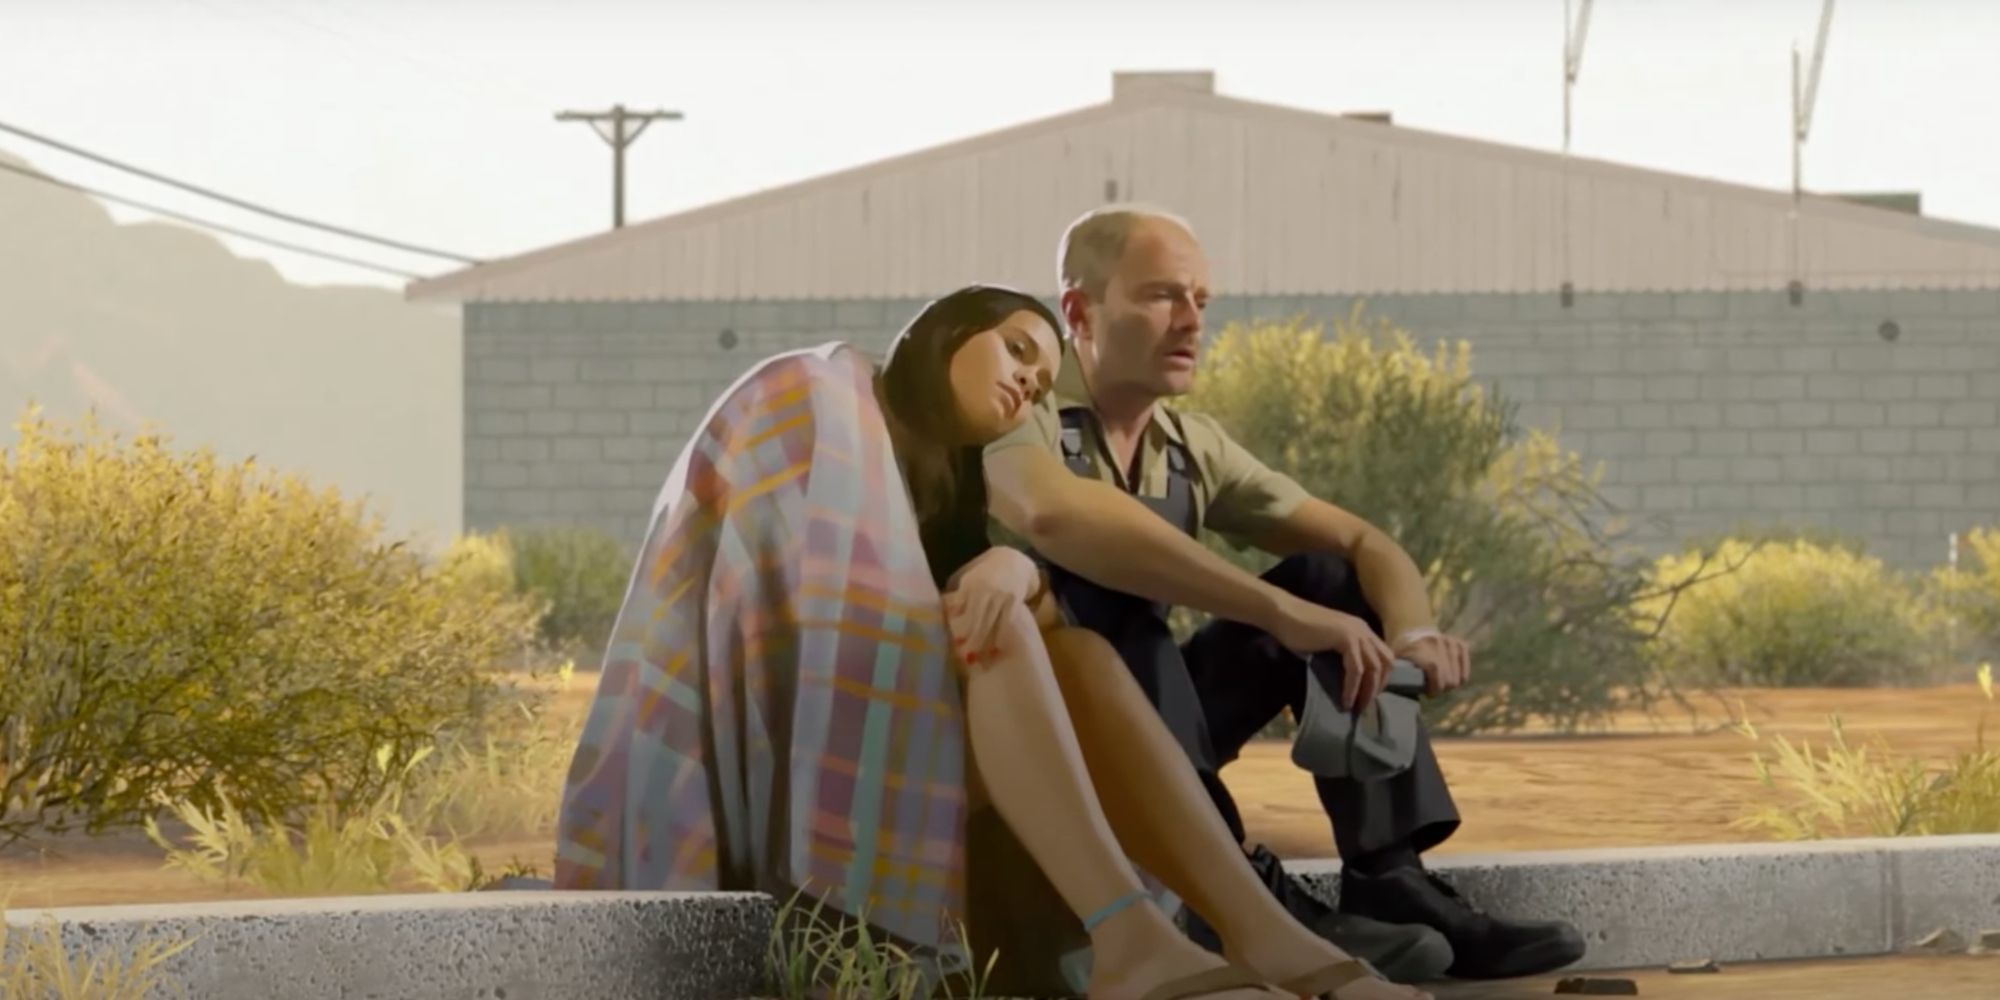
[{"x": 982, "y": 594}]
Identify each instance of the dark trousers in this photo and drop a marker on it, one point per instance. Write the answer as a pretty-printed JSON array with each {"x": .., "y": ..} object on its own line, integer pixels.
[{"x": 1227, "y": 682}]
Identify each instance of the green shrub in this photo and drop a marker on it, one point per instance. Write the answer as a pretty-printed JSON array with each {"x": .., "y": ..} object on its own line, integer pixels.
[
  {"x": 579, "y": 575},
  {"x": 1984, "y": 546},
  {"x": 479, "y": 566},
  {"x": 1969, "y": 596},
  {"x": 1518, "y": 546},
  {"x": 1799, "y": 613},
  {"x": 171, "y": 626}
]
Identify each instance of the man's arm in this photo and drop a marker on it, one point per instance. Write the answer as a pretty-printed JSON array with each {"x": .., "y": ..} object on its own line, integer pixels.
[
  {"x": 1099, "y": 532},
  {"x": 1266, "y": 508},
  {"x": 1392, "y": 581}
]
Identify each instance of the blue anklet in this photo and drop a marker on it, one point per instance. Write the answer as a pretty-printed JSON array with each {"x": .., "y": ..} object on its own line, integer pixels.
[{"x": 1113, "y": 908}]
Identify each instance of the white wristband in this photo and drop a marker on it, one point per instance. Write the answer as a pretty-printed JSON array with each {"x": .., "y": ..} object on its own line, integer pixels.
[{"x": 1414, "y": 635}]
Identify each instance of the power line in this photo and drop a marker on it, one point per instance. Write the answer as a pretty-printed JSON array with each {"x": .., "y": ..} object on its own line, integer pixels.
[
  {"x": 190, "y": 220},
  {"x": 226, "y": 199}
]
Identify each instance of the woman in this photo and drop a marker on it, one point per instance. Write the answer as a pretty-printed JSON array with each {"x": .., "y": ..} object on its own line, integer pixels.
[{"x": 783, "y": 705}]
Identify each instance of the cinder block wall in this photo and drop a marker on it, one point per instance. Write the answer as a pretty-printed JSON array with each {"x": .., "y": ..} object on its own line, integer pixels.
[
  {"x": 576, "y": 411},
  {"x": 1713, "y": 412},
  {"x": 1709, "y": 411}
]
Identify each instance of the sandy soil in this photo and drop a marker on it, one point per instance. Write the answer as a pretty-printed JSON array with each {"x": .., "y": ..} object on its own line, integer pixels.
[
  {"x": 1665, "y": 780},
  {"x": 1671, "y": 779},
  {"x": 1946, "y": 977}
]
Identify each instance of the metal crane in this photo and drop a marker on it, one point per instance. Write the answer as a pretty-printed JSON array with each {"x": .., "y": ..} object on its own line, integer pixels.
[
  {"x": 1573, "y": 35},
  {"x": 1802, "y": 108}
]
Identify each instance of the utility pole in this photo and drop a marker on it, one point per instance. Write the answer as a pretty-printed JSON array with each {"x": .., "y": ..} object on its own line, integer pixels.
[
  {"x": 619, "y": 139},
  {"x": 1803, "y": 95}
]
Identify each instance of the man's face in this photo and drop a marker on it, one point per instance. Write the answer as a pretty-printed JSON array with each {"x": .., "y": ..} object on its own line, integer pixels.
[{"x": 1147, "y": 331}]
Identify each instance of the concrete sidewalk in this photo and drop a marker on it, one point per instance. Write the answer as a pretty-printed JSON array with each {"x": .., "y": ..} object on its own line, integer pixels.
[{"x": 1638, "y": 908}]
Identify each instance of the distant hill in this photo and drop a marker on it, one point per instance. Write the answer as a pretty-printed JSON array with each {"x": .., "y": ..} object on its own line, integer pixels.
[{"x": 157, "y": 323}]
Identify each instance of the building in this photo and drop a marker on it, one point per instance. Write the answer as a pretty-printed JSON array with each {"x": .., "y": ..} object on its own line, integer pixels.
[{"x": 1732, "y": 363}]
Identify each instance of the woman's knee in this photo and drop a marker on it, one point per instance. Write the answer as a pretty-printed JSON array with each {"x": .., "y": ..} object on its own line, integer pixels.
[
  {"x": 1083, "y": 660},
  {"x": 1017, "y": 628},
  {"x": 1069, "y": 644}
]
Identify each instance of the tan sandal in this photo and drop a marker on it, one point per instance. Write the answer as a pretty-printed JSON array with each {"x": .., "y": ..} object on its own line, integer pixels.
[
  {"x": 1228, "y": 977},
  {"x": 1327, "y": 982}
]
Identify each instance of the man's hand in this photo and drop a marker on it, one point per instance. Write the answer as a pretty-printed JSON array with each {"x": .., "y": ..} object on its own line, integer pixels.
[
  {"x": 1304, "y": 627},
  {"x": 1444, "y": 659}
]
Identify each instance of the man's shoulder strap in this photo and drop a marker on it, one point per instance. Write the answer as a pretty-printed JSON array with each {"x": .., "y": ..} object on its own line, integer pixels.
[
  {"x": 1180, "y": 457},
  {"x": 1073, "y": 418}
]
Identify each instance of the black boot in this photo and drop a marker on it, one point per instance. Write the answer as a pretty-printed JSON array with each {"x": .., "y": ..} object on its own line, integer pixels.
[
  {"x": 1484, "y": 947},
  {"x": 1403, "y": 954}
]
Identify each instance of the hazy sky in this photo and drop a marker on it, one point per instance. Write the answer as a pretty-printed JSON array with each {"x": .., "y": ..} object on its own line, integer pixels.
[{"x": 432, "y": 121}]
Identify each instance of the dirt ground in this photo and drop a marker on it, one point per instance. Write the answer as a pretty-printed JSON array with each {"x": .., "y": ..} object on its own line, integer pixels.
[
  {"x": 1664, "y": 780},
  {"x": 1943, "y": 977},
  {"x": 1670, "y": 779}
]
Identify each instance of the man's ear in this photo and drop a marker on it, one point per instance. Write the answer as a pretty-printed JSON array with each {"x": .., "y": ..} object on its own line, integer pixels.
[{"x": 1075, "y": 303}]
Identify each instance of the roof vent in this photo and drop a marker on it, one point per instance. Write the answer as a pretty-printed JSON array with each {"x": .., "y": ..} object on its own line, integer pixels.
[
  {"x": 1378, "y": 117},
  {"x": 1127, "y": 85}
]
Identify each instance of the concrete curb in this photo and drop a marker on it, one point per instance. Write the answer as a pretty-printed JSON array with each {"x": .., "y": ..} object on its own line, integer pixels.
[
  {"x": 1734, "y": 902},
  {"x": 533, "y": 945},
  {"x": 1637, "y": 907}
]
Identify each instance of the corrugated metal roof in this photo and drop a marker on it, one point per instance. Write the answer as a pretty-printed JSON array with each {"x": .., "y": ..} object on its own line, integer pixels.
[{"x": 1287, "y": 202}]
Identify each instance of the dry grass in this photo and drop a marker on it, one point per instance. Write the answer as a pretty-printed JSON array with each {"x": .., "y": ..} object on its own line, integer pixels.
[
  {"x": 811, "y": 957},
  {"x": 1867, "y": 791},
  {"x": 36, "y": 966},
  {"x": 412, "y": 836}
]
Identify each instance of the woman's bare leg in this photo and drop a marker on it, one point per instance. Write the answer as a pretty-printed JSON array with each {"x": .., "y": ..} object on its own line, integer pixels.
[
  {"x": 1166, "y": 822},
  {"x": 1033, "y": 770}
]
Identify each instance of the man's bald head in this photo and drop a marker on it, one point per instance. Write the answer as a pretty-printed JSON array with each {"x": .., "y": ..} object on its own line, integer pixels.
[
  {"x": 1095, "y": 242},
  {"x": 1134, "y": 285}
]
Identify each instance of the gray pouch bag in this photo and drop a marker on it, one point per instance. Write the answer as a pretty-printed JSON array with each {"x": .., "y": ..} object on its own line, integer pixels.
[{"x": 1376, "y": 743}]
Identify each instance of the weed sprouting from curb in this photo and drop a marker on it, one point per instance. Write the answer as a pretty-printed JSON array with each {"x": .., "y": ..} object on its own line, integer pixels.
[{"x": 810, "y": 957}]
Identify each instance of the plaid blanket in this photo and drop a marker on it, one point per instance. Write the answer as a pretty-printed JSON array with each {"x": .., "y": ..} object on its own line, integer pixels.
[{"x": 776, "y": 709}]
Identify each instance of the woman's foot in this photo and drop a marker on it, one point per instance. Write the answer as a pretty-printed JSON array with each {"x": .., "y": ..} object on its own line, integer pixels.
[
  {"x": 1294, "y": 956},
  {"x": 1140, "y": 950}
]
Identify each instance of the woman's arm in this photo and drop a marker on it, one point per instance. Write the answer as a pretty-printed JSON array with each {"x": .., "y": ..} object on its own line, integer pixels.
[{"x": 1033, "y": 582}]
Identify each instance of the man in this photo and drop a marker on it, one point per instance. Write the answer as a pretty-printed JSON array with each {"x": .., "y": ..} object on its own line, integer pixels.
[{"x": 1110, "y": 490}]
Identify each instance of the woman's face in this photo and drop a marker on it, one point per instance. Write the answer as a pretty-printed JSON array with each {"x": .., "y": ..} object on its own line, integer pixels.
[{"x": 998, "y": 374}]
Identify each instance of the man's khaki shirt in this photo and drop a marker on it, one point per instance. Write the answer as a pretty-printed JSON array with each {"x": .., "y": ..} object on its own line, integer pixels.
[{"x": 1235, "y": 495}]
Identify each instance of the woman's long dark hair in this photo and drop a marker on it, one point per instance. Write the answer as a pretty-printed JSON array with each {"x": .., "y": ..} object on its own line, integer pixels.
[{"x": 940, "y": 462}]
